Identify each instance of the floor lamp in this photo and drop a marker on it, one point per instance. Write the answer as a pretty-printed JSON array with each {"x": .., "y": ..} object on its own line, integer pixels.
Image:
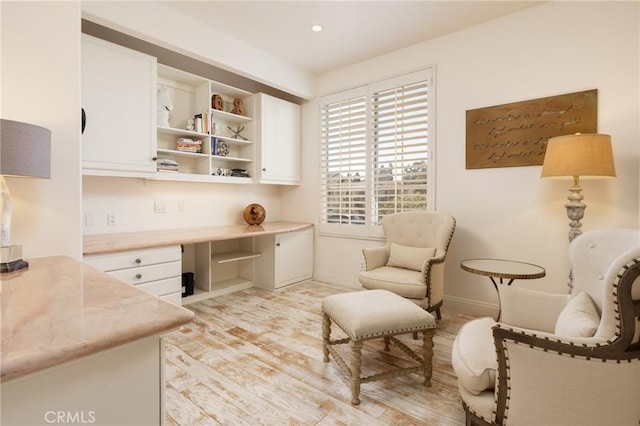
[
  {"x": 25, "y": 150},
  {"x": 576, "y": 156}
]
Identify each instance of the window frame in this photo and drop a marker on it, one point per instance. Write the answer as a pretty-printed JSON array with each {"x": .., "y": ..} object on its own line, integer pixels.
[{"x": 369, "y": 229}]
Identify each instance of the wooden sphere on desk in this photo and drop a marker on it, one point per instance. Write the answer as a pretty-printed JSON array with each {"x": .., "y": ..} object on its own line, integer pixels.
[{"x": 254, "y": 214}]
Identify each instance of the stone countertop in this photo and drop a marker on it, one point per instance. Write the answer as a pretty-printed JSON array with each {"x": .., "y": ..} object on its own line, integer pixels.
[
  {"x": 106, "y": 243},
  {"x": 58, "y": 310}
]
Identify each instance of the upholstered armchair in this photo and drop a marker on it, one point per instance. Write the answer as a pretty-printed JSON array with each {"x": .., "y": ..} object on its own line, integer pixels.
[
  {"x": 556, "y": 359},
  {"x": 411, "y": 263}
]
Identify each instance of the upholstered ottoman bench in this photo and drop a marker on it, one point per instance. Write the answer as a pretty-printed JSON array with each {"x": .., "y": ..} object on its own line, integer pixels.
[{"x": 371, "y": 314}]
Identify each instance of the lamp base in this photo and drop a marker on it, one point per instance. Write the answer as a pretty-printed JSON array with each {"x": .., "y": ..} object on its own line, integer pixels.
[
  {"x": 575, "y": 210},
  {"x": 11, "y": 259}
]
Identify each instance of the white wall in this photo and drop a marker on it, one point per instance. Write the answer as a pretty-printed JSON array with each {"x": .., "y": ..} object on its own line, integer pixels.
[
  {"x": 40, "y": 84},
  {"x": 203, "y": 204},
  {"x": 509, "y": 213}
]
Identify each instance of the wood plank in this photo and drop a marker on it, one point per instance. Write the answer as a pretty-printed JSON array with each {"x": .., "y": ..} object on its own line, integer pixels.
[{"x": 255, "y": 357}]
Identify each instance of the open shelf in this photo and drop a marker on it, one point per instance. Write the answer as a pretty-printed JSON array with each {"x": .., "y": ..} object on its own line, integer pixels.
[
  {"x": 190, "y": 96},
  {"x": 171, "y": 131},
  {"x": 234, "y": 256},
  {"x": 229, "y": 158},
  {"x": 185, "y": 154}
]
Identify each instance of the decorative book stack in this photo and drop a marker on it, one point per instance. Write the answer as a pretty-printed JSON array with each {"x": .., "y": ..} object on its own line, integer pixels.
[
  {"x": 189, "y": 145},
  {"x": 166, "y": 165}
]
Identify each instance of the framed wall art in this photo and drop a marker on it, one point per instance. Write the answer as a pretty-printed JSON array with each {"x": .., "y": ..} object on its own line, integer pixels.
[{"x": 516, "y": 134}]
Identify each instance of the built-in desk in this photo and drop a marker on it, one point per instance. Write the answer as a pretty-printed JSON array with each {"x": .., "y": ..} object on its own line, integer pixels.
[
  {"x": 80, "y": 344},
  {"x": 222, "y": 258}
]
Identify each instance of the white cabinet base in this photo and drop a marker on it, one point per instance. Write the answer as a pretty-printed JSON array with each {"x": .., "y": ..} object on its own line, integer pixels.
[
  {"x": 287, "y": 258},
  {"x": 120, "y": 386}
]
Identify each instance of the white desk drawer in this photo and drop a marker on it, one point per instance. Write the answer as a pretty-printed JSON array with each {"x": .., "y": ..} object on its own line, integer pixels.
[
  {"x": 134, "y": 258},
  {"x": 163, "y": 287},
  {"x": 145, "y": 274}
]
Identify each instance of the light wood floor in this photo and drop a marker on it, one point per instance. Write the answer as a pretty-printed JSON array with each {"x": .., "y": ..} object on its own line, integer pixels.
[{"x": 255, "y": 358}]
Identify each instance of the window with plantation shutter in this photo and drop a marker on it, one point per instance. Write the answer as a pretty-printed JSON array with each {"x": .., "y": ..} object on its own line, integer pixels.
[
  {"x": 343, "y": 159},
  {"x": 376, "y": 153},
  {"x": 399, "y": 139}
]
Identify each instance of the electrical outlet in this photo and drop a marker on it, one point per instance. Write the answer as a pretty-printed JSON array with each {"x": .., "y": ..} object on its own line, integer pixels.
[
  {"x": 159, "y": 207},
  {"x": 181, "y": 206},
  {"x": 112, "y": 219},
  {"x": 89, "y": 219}
]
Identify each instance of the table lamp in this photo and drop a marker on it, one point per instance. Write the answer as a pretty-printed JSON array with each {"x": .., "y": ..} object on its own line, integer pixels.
[
  {"x": 574, "y": 156},
  {"x": 25, "y": 150}
]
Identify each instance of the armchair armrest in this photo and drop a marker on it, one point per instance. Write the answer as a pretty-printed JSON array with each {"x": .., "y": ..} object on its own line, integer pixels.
[
  {"x": 530, "y": 309},
  {"x": 375, "y": 257},
  {"x": 433, "y": 275}
]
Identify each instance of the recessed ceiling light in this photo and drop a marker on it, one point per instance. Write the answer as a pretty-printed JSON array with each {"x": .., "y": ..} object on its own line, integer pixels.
[{"x": 316, "y": 28}]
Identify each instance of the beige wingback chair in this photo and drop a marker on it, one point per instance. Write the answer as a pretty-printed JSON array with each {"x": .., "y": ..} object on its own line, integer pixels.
[
  {"x": 557, "y": 359},
  {"x": 411, "y": 263}
]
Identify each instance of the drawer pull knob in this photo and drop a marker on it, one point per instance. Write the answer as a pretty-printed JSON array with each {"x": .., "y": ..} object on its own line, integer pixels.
[
  {"x": 138, "y": 260},
  {"x": 138, "y": 276}
]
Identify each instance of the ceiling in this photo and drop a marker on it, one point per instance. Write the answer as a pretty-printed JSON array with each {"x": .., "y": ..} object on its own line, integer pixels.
[{"x": 352, "y": 30}]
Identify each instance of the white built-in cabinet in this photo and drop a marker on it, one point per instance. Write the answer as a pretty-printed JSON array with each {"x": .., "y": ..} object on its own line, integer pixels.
[
  {"x": 126, "y": 96},
  {"x": 123, "y": 385},
  {"x": 266, "y": 261},
  {"x": 286, "y": 259},
  {"x": 156, "y": 270},
  {"x": 119, "y": 101},
  {"x": 278, "y": 133}
]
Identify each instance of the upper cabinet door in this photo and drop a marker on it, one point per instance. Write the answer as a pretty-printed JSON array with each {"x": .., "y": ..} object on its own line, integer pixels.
[
  {"x": 119, "y": 100},
  {"x": 278, "y": 140}
]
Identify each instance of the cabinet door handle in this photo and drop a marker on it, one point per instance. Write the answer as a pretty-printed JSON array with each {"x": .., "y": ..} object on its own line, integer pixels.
[
  {"x": 277, "y": 244},
  {"x": 138, "y": 276},
  {"x": 264, "y": 169},
  {"x": 138, "y": 261},
  {"x": 154, "y": 158}
]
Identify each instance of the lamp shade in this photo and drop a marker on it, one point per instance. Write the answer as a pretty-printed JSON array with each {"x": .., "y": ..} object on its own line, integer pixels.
[
  {"x": 25, "y": 149},
  {"x": 583, "y": 155}
]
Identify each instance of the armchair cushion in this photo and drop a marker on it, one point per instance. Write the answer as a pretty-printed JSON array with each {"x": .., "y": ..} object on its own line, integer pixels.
[
  {"x": 409, "y": 257},
  {"x": 401, "y": 281},
  {"x": 579, "y": 318},
  {"x": 474, "y": 356}
]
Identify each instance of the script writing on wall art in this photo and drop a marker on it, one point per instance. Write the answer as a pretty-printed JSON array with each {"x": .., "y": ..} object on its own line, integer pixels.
[{"x": 516, "y": 134}]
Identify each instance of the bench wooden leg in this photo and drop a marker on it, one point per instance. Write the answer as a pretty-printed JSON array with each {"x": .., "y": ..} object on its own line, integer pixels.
[
  {"x": 356, "y": 362},
  {"x": 427, "y": 355},
  {"x": 326, "y": 334}
]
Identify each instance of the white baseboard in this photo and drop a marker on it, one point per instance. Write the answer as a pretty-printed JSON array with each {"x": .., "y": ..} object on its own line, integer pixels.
[
  {"x": 471, "y": 307},
  {"x": 337, "y": 280}
]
